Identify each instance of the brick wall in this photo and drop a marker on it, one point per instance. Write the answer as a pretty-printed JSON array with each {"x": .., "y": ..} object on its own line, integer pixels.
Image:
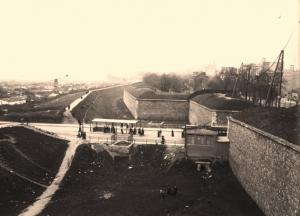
[{"x": 268, "y": 168}]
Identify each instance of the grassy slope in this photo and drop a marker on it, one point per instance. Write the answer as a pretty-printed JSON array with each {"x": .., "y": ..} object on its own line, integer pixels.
[
  {"x": 32, "y": 155},
  {"x": 136, "y": 191},
  {"x": 214, "y": 102},
  {"x": 283, "y": 122},
  {"x": 105, "y": 103},
  {"x": 50, "y": 110}
]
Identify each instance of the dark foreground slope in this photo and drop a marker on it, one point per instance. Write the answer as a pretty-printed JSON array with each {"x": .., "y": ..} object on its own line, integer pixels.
[
  {"x": 106, "y": 103},
  {"x": 98, "y": 185},
  {"x": 28, "y": 163},
  {"x": 281, "y": 122}
]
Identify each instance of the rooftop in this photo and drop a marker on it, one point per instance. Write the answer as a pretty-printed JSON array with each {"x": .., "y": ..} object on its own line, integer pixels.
[
  {"x": 219, "y": 101},
  {"x": 201, "y": 131}
]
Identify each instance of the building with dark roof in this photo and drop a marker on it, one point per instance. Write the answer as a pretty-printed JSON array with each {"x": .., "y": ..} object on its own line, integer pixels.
[
  {"x": 146, "y": 103},
  {"x": 214, "y": 108},
  {"x": 198, "y": 81}
]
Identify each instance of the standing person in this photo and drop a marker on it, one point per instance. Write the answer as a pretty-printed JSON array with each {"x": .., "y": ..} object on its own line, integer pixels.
[
  {"x": 158, "y": 133},
  {"x": 172, "y": 133},
  {"x": 134, "y": 131},
  {"x": 142, "y": 131},
  {"x": 163, "y": 141},
  {"x": 122, "y": 130}
]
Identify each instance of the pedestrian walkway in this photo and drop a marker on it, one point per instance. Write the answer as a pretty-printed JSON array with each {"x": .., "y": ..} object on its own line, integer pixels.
[
  {"x": 38, "y": 206},
  {"x": 150, "y": 134}
]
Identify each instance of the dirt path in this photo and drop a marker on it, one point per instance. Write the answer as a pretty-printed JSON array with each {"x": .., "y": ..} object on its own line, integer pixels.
[
  {"x": 68, "y": 118},
  {"x": 46, "y": 196}
]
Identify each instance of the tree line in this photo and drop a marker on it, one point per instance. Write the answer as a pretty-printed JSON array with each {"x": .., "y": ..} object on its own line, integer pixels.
[
  {"x": 167, "y": 82},
  {"x": 249, "y": 83}
]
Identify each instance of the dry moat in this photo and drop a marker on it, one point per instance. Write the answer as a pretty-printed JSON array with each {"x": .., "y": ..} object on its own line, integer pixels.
[{"x": 99, "y": 184}]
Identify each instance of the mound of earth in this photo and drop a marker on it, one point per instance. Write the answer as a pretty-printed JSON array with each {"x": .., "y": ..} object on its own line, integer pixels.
[
  {"x": 106, "y": 103},
  {"x": 28, "y": 163},
  {"x": 219, "y": 101},
  {"x": 281, "y": 122},
  {"x": 49, "y": 110}
]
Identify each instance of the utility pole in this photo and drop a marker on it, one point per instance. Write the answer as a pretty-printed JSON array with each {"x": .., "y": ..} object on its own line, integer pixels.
[
  {"x": 248, "y": 80},
  {"x": 279, "y": 67},
  {"x": 236, "y": 80},
  {"x": 280, "y": 78}
]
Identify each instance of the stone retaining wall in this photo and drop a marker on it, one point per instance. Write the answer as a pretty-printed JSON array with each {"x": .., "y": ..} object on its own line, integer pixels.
[
  {"x": 131, "y": 102},
  {"x": 157, "y": 109},
  {"x": 268, "y": 168},
  {"x": 202, "y": 115}
]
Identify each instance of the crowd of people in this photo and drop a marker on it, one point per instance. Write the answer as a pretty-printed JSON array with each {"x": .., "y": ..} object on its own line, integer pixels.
[{"x": 130, "y": 129}]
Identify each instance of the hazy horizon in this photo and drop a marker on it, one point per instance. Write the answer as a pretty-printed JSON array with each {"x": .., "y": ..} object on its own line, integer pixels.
[{"x": 106, "y": 40}]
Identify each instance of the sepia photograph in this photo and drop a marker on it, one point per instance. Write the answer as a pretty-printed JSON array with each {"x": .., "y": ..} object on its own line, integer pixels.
[{"x": 149, "y": 108}]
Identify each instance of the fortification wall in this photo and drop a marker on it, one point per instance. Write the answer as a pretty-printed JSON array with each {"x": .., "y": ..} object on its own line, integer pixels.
[
  {"x": 157, "y": 109},
  {"x": 199, "y": 115},
  {"x": 162, "y": 110},
  {"x": 202, "y": 115},
  {"x": 268, "y": 168},
  {"x": 131, "y": 102}
]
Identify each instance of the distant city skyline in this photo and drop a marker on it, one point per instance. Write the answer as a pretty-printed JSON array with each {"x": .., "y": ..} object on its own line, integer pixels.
[{"x": 105, "y": 40}]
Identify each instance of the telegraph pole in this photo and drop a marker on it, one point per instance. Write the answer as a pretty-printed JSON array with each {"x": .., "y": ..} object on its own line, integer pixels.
[
  {"x": 280, "y": 81},
  {"x": 278, "y": 69}
]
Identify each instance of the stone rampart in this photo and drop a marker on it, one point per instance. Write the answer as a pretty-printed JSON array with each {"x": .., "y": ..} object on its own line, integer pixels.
[{"x": 267, "y": 166}]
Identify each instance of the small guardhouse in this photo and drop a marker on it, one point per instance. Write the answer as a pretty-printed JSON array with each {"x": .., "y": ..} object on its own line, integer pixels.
[{"x": 206, "y": 143}]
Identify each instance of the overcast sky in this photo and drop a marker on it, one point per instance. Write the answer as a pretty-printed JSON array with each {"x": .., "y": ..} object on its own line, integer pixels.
[{"x": 101, "y": 39}]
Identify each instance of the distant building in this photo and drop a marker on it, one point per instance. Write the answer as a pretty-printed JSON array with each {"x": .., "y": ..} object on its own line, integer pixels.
[
  {"x": 265, "y": 65},
  {"x": 292, "y": 78},
  {"x": 198, "y": 81},
  {"x": 55, "y": 84}
]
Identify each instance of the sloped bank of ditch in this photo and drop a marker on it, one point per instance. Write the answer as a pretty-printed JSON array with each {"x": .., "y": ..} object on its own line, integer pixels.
[
  {"x": 97, "y": 184},
  {"x": 28, "y": 163}
]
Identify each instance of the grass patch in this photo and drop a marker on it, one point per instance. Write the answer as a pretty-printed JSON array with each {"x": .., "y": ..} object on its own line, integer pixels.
[{"x": 106, "y": 103}]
